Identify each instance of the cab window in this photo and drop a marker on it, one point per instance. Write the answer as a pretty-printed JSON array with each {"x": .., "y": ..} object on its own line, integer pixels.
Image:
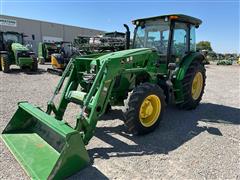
[
  {"x": 192, "y": 39},
  {"x": 179, "y": 42}
]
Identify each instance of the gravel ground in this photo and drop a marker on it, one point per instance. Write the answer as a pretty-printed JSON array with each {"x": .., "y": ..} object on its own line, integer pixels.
[{"x": 199, "y": 144}]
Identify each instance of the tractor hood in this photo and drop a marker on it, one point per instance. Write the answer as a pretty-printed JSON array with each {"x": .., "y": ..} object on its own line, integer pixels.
[
  {"x": 133, "y": 54},
  {"x": 18, "y": 47},
  {"x": 127, "y": 53}
]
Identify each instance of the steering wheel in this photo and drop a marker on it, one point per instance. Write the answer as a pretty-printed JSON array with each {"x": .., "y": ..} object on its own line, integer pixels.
[
  {"x": 9, "y": 43},
  {"x": 160, "y": 46}
]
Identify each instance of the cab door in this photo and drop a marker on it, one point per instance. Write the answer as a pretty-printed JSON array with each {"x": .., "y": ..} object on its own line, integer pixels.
[{"x": 180, "y": 42}]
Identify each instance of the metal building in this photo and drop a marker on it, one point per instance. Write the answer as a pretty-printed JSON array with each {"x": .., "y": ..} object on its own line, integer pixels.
[{"x": 39, "y": 31}]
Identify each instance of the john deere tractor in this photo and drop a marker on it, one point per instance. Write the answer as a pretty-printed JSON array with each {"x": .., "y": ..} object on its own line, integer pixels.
[
  {"x": 45, "y": 50},
  {"x": 162, "y": 67},
  {"x": 12, "y": 51}
]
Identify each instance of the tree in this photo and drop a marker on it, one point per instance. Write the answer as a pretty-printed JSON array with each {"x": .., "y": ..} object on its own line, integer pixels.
[{"x": 204, "y": 45}]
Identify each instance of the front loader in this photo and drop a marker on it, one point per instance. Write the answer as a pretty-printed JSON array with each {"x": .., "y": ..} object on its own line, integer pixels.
[{"x": 162, "y": 67}]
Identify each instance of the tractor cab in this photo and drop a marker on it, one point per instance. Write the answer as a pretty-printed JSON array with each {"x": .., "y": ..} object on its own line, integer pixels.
[
  {"x": 8, "y": 38},
  {"x": 60, "y": 59},
  {"x": 65, "y": 48},
  {"x": 172, "y": 36}
]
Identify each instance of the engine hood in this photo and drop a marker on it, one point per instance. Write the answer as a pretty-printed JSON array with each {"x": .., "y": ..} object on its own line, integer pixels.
[
  {"x": 126, "y": 53},
  {"x": 18, "y": 47}
]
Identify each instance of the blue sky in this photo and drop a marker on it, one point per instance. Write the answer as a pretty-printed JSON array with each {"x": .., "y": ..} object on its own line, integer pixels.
[{"x": 220, "y": 17}]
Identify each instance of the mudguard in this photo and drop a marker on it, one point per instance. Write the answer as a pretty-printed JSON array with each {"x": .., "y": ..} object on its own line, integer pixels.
[{"x": 185, "y": 63}]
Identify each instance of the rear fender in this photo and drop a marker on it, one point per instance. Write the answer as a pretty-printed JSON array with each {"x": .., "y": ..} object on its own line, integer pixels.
[
  {"x": 185, "y": 63},
  {"x": 142, "y": 77},
  {"x": 183, "y": 67}
]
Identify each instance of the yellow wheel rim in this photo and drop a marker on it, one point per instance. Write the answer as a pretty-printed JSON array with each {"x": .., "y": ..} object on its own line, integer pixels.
[
  {"x": 150, "y": 110},
  {"x": 2, "y": 63},
  {"x": 197, "y": 85}
]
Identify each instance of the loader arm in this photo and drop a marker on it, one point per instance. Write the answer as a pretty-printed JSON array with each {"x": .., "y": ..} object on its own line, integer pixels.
[
  {"x": 93, "y": 103},
  {"x": 93, "y": 95},
  {"x": 96, "y": 100},
  {"x": 46, "y": 146}
]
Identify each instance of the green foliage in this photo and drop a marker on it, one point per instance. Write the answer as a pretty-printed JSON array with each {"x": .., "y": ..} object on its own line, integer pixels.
[
  {"x": 225, "y": 62},
  {"x": 204, "y": 45}
]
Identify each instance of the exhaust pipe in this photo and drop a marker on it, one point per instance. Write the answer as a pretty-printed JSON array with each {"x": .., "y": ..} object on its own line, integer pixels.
[{"x": 127, "y": 46}]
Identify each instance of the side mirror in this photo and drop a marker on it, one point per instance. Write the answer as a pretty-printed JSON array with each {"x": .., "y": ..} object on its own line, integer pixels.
[{"x": 172, "y": 66}]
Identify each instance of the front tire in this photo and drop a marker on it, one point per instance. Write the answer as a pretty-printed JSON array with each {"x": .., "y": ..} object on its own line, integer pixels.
[
  {"x": 144, "y": 109},
  {"x": 193, "y": 85},
  {"x": 5, "y": 66}
]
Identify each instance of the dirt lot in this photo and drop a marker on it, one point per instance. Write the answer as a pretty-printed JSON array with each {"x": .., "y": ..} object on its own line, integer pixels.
[{"x": 204, "y": 143}]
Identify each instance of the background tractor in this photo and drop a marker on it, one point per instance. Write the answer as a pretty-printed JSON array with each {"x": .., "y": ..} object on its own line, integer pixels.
[
  {"x": 45, "y": 50},
  {"x": 60, "y": 59},
  {"x": 86, "y": 47},
  {"x": 12, "y": 51},
  {"x": 162, "y": 67}
]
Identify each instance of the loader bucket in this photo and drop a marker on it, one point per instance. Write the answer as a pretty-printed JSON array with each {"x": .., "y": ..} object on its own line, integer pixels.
[{"x": 46, "y": 148}]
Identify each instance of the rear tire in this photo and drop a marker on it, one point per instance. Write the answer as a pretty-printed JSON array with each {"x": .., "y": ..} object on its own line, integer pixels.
[
  {"x": 0, "y": 64},
  {"x": 5, "y": 65},
  {"x": 144, "y": 108},
  {"x": 195, "y": 76},
  {"x": 34, "y": 64}
]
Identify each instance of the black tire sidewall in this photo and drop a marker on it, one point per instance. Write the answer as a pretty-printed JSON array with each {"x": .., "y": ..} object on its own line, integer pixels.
[
  {"x": 138, "y": 127},
  {"x": 0, "y": 63},
  {"x": 34, "y": 64},
  {"x": 193, "y": 101},
  {"x": 190, "y": 103},
  {"x": 6, "y": 64}
]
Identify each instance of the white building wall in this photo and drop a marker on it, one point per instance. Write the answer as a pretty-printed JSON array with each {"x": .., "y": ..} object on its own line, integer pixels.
[{"x": 38, "y": 31}]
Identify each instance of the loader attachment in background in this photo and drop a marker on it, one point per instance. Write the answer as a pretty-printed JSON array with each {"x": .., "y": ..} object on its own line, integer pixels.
[{"x": 47, "y": 148}]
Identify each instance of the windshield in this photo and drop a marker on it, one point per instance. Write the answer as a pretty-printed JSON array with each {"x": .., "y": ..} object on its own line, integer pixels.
[
  {"x": 153, "y": 34},
  {"x": 52, "y": 46},
  {"x": 14, "y": 38}
]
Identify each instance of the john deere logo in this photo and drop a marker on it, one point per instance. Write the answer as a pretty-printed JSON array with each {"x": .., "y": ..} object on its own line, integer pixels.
[{"x": 8, "y": 22}]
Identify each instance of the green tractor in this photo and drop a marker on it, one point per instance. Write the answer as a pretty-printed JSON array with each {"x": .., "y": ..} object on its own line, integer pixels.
[
  {"x": 12, "y": 51},
  {"x": 45, "y": 50},
  {"x": 162, "y": 67}
]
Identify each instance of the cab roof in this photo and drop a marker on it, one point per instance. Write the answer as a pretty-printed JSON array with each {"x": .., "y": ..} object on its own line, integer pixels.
[
  {"x": 180, "y": 17},
  {"x": 10, "y": 32}
]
